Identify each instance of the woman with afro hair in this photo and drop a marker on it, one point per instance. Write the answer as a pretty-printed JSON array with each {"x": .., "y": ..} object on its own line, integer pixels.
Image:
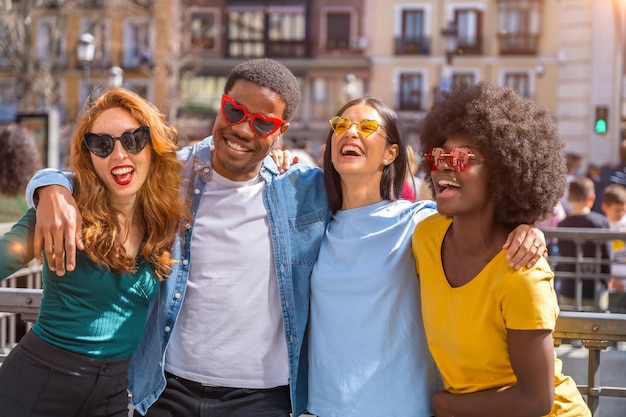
[{"x": 494, "y": 161}]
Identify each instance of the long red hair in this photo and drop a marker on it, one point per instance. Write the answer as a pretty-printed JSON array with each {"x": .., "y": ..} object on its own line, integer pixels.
[{"x": 159, "y": 200}]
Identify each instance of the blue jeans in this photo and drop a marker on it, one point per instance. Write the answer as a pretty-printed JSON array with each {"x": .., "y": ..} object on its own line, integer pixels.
[{"x": 192, "y": 399}]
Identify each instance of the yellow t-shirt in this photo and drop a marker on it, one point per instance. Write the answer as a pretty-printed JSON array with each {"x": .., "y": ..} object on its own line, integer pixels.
[{"x": 466, "y": 327}]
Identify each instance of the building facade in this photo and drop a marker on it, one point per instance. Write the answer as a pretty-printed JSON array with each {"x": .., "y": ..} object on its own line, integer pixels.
[{"x": 564, "y": 54}]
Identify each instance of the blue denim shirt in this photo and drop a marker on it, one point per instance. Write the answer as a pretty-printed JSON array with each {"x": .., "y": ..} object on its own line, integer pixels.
[{"x": 298, "y": 212}]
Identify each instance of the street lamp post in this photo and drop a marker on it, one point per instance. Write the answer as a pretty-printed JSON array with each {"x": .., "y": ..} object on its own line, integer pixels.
[
  {"x": 85, "y": 51},
  {"x": 116, "y": 77},
  {"x": 450, "y": 39}
]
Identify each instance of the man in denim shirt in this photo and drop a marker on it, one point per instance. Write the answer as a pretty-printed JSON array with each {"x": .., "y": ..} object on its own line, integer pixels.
[{"x": 225, "y": 335}]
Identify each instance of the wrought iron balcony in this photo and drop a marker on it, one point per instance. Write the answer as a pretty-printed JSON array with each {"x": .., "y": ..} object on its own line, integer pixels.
[{"x": 409, "y": 45}]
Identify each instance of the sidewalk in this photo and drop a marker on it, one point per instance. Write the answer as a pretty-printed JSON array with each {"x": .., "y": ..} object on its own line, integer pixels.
[{"x": 612, "y": 373}]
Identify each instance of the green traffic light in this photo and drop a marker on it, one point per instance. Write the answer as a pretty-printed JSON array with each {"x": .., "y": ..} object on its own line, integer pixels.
[{"x": 601, "y": 126}]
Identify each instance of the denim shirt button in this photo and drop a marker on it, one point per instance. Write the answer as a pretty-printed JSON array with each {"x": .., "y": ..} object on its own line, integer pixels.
[
  {"x": 177, "y": 295},
  {"x": 185, "y": 262},
  {"x": 196, "y": 191},
  {"x": 188, "y": 226},
  {"x": 167, "y": 329}
]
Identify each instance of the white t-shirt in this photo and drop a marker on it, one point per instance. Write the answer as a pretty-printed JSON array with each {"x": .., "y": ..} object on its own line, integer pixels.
[{"x": 230, "y": 329}]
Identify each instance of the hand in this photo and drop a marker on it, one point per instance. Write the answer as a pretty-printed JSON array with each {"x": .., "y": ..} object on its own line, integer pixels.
[
  {"x": 615, "y": 285},
  {"x": 56, "y": 232},
  {"x": 525, "y": 245},
  {"x": 283, "y": 159}
]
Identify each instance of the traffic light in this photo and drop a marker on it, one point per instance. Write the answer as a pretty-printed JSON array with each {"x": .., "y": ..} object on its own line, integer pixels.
[{"x": 601, "y": 125}]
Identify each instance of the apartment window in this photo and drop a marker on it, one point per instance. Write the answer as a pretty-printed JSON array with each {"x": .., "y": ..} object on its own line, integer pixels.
[
  {"x": 269, "y": 31},
  {"x": 286, "y": 32},
  {"x": 138, "y": 44},
  {"x": 328, "y": 93},
  {"x": 469, "y": 26},
  {"x": 51, "y": 4},
  {"x": 101, "y": 33},
  {"x": 4, "y": 46},
  {"x": 245, "y": 33},
  {"x": 411, "y": 91},
  {"x": 8, "y": 100},
  {"x": 412, "y": 39},
  {"x": 337, "y": 30},
  {"x": 203, "y": 30},
  {"x": 143, "y": 87},
  {"x": 202, "y": 94},
  {"x": 286, "y": 25},
  {"x": 91, "y": 3},
  {"x": 50, "y": 41},
  {"x": 519, "y": 81},
  {"x": 143, "y": 3},
  {"x": 519, "y": 26},
  {"x": 463, "y": 78}
]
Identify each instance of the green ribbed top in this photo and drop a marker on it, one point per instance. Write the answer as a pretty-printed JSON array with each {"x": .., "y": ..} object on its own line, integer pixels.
[{"x": 91, "y": 310}]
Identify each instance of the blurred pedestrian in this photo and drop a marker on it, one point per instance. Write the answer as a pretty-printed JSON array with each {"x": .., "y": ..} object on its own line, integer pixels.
[
  {"x": 19, "y": 160},
  {"x": 581, "y": 197}
]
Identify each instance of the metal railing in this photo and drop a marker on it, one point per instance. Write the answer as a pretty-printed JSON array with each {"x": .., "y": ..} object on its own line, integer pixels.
[
  {"x": 20, "y": 294},
  {"x": 583, "y": 266},
  {"x": 596, "y": 331}
]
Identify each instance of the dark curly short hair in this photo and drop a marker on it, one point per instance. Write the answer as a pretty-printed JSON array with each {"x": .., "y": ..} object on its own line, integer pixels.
[
  {"x": 270, "y": 74},
  {"x": 19, "y": 159},
  {"x": 518, "y": 139}
]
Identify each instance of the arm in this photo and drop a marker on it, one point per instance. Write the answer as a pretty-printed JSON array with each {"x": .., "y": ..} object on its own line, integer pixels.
[
  {"x": 532, "y": 360},
  {"x": 520, "y": 249},
  {"x": 56, "y": 231},
  {"x": 16, "y": 245}
]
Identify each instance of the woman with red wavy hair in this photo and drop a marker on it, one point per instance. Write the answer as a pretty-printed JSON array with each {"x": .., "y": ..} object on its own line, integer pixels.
[{"x": 127, "y": 178}]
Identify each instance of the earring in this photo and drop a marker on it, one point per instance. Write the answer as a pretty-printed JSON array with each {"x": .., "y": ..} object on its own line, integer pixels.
[{"x": 385, "y": 162}]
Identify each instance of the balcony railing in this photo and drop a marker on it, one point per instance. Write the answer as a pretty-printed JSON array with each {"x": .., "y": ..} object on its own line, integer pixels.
[
  {"x": 518, "y": 43},
  {"x": 266, "y": 48},
  {"x": 470, "y": 46},
  {"x": 408, "y": 45}
]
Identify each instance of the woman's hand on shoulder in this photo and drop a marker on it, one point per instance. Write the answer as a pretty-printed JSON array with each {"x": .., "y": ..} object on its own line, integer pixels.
[{"x": 283, "y": 159}]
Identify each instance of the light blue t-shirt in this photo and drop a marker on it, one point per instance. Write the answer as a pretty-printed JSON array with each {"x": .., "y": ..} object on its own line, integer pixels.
[{"x": 368, "y": 354}]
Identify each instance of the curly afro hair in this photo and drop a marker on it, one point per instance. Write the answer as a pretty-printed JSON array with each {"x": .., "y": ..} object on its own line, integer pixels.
[
  {"x": 270, "y": 74},
  {"x": 518, "y": 139},
  {"x": 19, "y": 159}
]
